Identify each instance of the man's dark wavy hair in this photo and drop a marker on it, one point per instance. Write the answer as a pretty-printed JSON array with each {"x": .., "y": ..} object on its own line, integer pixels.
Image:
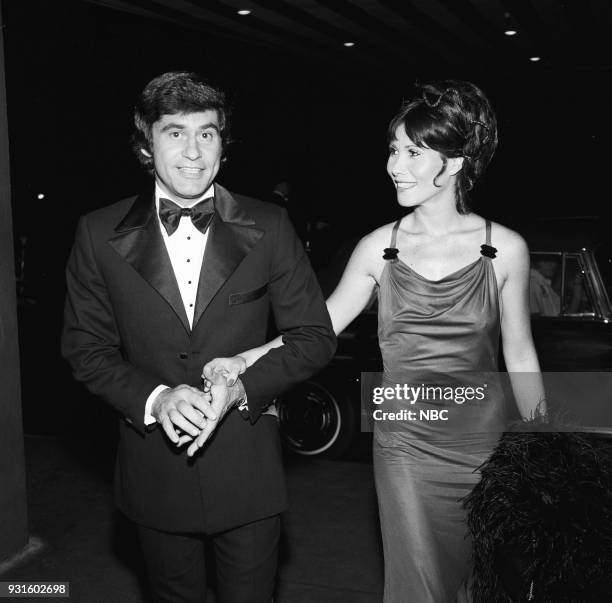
[
  {"x": 455, "y": 119},
  {"x": 171, "y": 93}
]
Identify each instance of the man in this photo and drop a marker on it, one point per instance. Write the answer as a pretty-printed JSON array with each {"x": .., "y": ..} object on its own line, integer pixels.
[{"x": 155, "y": 290}]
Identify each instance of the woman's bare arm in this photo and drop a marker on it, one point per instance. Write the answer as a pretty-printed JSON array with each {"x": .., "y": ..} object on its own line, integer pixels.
[
  {"x": 347, "y": 301},
  {"x": 517, "y": 342}
]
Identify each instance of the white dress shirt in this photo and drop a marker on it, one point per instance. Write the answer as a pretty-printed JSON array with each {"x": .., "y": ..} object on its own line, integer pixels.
[{"x": 186, "y": 248}]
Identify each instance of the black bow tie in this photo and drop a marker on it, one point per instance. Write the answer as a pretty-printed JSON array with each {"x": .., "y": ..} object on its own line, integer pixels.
[{"x": 201, "y": 214}]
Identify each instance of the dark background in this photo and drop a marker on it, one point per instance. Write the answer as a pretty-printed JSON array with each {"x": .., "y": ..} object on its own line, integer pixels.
[{"x": 74, "y": 70}]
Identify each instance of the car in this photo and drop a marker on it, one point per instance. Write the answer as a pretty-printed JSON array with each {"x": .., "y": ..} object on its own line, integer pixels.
[
  {"x": 570, "y": 282},
  {"x": 575, "y": 335}
]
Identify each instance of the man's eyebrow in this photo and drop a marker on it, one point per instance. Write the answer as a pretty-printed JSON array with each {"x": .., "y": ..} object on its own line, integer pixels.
[
  {"x": 210, "y": 125},
  {"x": 172, "y": 126},
  {"x": 178, "y": 126}
]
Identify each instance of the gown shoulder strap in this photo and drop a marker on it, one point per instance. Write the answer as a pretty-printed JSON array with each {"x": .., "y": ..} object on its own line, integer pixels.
[
  {"x": 487, "y": 249},
  {"x": 392, "y": 251},
  {"x": 394, "y": 233}
]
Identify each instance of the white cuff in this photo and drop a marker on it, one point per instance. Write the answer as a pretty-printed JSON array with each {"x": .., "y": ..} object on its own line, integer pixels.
[{"x": 149, "y": 419}]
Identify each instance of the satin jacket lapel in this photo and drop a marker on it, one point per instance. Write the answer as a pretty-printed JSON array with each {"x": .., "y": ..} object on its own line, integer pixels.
[
  {"x": 139, "y": 242},
  {"x": 231, "y": 237}
]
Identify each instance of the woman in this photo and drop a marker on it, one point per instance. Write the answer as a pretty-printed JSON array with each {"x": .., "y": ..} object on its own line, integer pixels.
[{"x": 448, "y": 281}]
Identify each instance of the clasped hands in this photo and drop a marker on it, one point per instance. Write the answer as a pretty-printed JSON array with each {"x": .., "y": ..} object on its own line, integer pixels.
[{"x": 187, "y": 414}]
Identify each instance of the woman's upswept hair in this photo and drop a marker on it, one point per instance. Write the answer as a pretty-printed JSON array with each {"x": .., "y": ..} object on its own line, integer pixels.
[
  {"x": 171, "y": 93},
  {"x": 455, "y": 119}
]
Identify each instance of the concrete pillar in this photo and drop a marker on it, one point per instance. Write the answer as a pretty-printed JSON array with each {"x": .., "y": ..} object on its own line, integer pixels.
[{"x": 13, "y": 511}]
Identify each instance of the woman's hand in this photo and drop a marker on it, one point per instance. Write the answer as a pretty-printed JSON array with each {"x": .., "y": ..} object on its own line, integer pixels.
[{"x": 228, "y": 368}]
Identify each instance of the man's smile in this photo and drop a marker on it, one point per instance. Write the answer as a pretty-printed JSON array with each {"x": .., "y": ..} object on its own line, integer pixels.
[{"x": 190, "y": 171}]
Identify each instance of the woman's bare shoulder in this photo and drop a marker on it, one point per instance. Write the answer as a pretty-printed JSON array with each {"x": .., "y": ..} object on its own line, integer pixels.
[
  {"x": 370, "y": 249},
  {"x": 379, "y": 238},
  {"x": 507, "y": 240},
  {"x": 512, "y": 257}
]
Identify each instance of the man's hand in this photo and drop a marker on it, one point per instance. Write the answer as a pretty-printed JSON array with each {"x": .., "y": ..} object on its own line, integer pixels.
[
  {"x": 224, "y": 398},
  {"x": 183, "y": 407}
]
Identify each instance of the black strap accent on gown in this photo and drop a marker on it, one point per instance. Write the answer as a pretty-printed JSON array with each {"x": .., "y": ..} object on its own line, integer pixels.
[{"x": 433, "y": 332}]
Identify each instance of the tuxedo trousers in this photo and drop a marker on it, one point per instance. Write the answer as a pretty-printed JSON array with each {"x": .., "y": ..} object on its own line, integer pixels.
[{"x": 246, "y": 560}]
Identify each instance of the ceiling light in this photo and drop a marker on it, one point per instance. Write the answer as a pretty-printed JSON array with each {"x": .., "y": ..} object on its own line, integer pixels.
[
  {"x": 510, "y": 25},
  {"x": 244, "y": 12},
  {"x": 534, "y": 59},
  {"x": 349, "y": 44},
  {"x": 40, "y": 196}
]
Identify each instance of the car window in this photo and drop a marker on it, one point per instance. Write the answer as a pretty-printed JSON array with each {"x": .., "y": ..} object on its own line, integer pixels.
[
  {"x": 603, "y": 256},
  {"x": 558, "y": 285},
  {"x": 577, "y": 296},
  {"x": 545, "y": 281}
]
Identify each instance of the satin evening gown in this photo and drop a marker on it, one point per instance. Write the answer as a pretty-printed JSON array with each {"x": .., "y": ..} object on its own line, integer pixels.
[{"x": 443, "y": 332}]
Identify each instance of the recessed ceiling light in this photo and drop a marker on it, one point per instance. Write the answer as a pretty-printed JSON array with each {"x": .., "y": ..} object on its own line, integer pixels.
[
  {"x": 534, "y": 59},
  {"x": 349, "y": 44},
  {"x": 244, "y": 12},
  {"x": 510, "y": 25}
]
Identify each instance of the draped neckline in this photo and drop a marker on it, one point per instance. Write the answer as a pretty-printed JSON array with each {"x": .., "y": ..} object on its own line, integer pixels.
[{"x": 449, "y": 277}]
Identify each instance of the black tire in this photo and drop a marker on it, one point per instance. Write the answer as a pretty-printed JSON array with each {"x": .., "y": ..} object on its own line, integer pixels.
[{"x": 316, "y": 422}]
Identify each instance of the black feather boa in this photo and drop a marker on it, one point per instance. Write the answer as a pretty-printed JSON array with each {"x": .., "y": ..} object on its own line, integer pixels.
[{"x": 541, "y": 518}]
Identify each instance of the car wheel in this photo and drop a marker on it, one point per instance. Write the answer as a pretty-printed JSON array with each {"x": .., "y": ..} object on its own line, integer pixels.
[{"x": 316, "y": 422}]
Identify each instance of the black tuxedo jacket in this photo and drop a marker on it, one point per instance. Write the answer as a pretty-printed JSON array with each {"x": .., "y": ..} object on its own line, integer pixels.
[{"x": 126, "y": 332}]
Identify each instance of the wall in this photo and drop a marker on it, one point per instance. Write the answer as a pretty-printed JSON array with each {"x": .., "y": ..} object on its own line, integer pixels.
[{"x": 13, "y": 526}]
